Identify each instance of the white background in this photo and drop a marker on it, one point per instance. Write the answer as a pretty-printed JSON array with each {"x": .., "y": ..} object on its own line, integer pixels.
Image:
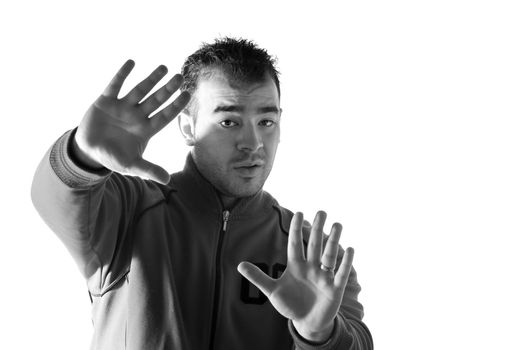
[{"x": 404, "y": 120}]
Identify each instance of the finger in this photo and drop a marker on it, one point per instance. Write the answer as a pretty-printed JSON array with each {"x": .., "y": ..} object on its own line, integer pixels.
[
  {"x": 115, "y": 84},
  {"x": 295, "y": 238},
  {"x": 341, "y": 277},
  {"x": 259, "y": 279},
  {"x": 315, "y": 242},
  {"x": 161, "y": 95},
  {"x": 149, "y": 170},
  {"x": 166, "y": 115},
  {"x": 329, "y": 258},
  {"x": 307, "y": 226},
  {"x": 144, "y": 87}
]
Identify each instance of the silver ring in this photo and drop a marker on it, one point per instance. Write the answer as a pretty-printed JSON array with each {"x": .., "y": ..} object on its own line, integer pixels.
[{"x": 326, "y": 268}]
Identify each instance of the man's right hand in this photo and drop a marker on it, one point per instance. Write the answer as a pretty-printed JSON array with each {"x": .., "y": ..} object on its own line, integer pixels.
[{"x": 114, "y": 132}]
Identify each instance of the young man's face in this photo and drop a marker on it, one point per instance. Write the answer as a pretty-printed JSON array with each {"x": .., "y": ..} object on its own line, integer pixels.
[{"x": 236, "y": 133}]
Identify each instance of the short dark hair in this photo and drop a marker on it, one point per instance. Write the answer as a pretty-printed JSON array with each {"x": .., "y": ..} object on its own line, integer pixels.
[{"x": 240, "y": 59}]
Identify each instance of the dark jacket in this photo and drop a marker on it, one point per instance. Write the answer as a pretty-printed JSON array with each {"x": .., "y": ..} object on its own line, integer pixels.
[{"x": 161, "y": 261}]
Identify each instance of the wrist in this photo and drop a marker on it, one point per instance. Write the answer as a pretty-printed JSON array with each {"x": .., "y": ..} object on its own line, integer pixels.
[
  {"x": 82, "y": 157},
  {"x": 316, "y": 336}
]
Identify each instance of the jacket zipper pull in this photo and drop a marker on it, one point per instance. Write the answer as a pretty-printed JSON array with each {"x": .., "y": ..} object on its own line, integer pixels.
[{"x": 225, "y": 217}]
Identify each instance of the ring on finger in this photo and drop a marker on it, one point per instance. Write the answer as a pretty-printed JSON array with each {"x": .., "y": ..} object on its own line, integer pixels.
[{"x": 326, "y": 268}]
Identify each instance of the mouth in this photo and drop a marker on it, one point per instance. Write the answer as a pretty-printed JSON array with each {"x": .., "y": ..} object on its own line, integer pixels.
[
  {"x": 249, "y": 170},
  {"x": 250, "y": 164}
]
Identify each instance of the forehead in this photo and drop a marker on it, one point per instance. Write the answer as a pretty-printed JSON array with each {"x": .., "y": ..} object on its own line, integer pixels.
[{"x": 218, "y": 88}]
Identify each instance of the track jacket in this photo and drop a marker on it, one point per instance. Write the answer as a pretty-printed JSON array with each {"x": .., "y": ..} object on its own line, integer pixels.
[{"x": 161, "y": 261}]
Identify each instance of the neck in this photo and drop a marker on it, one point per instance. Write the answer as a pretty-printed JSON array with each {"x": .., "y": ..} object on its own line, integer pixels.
[{"x": 228, "y": 202}]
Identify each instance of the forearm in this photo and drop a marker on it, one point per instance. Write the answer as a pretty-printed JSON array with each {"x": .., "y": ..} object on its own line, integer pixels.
[
  {"x": 73, "y": 202},
  {"x": 62, "y": 192}
]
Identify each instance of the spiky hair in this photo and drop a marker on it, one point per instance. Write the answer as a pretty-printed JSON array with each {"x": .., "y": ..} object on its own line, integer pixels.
[{"x": 240, "y": 59}]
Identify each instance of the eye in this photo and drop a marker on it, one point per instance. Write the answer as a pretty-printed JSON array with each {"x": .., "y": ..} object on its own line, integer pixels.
[
  {"x": 228, "y": 123},
  {"x": 267, "y": 123}
]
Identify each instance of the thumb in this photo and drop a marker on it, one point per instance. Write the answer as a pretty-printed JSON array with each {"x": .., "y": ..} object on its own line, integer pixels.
[
  {"x": 149, "y": 170},
  {"x": 254, "y": 274}
]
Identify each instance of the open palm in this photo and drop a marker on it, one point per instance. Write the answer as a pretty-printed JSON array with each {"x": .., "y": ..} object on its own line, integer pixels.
[
  {"x": 307, "y": 294},
  {"x": 115, "y": 131}
]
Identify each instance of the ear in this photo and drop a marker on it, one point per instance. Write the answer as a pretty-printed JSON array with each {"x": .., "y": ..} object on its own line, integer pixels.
[
  {"x": 187, "y": 127},
  {"x": 280, "y": 113}
]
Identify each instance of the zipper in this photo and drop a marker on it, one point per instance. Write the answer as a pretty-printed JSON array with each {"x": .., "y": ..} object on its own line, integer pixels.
[{"x": 225, "y": 218}]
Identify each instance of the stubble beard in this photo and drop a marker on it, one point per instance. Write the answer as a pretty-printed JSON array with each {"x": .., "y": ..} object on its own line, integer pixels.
[
  {"x": 224, "y": 179},
  {"x": 229, "y": 184}
]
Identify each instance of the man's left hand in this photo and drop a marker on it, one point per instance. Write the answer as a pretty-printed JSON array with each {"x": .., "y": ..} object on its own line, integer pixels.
[{"x": 309, "y": 292}]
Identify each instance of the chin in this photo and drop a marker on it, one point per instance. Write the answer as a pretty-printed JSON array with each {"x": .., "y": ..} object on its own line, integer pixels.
[{"x": 239, "y": 192}]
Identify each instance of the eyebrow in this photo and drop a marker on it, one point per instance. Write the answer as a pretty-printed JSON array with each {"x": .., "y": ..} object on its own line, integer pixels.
[
  {"x": 238, "y": 108},
  {"x": 228, "y": 108},
  {"x": 268, "y": 109}
]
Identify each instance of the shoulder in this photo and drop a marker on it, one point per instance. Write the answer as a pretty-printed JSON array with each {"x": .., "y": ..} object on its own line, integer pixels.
[
  {"x": 285, "y": 214},
  {"x": 285, "y": 219},
  {"x": 148, "y": 193}
]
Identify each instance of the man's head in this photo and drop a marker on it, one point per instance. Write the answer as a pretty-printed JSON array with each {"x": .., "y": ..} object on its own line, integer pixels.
[{"x": 233, "y": 118}]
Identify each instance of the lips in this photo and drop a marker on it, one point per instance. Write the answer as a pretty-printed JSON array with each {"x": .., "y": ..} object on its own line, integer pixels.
[
  {"x": 249, "y": 164},
  {"x": 249, "y": 169}
]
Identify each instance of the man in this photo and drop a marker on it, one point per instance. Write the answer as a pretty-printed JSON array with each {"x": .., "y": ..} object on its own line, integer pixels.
[{"x": 204, "y": 258}]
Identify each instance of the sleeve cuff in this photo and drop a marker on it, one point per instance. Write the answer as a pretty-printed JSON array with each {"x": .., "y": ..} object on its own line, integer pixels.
[
  {"x": 69, "y": 170},
  {"x": 331, "y": 343}
]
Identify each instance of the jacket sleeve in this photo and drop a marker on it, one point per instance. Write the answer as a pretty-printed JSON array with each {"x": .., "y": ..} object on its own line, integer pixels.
[{"x": 90, "y": 212}]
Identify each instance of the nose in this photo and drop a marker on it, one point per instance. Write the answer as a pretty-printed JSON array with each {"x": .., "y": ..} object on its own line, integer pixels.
[{"x": 250, "y": 139}]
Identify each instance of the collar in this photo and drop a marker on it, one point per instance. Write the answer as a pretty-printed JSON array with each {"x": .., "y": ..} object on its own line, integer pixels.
[{"x": 202, "y": 196}]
